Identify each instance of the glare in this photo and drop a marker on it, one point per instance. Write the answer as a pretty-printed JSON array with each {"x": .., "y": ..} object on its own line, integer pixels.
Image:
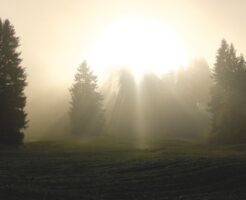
[{"x": 141, "y": 44}]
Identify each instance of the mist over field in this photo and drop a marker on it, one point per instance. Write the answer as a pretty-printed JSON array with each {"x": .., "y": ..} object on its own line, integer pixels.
[
  {"x": 113, "y": 99},
  {"x": 57, "y": 36}
]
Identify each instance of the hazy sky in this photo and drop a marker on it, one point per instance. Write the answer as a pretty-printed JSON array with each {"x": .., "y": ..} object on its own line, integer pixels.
[{"x": 56, "y": 34}]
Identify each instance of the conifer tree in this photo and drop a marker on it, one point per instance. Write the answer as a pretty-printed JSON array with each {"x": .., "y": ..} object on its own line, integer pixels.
[
  {"x": 228, "y": 96},
  {"x": 12, "y": 85},
  {"x": 86, "y": 112}
]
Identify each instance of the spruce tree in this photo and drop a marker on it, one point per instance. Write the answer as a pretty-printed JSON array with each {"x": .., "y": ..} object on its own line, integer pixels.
[
  {"x": 86, "y": 112},
  {"x": 12, "y": 85},
  {"x": 228, "y": 96}
]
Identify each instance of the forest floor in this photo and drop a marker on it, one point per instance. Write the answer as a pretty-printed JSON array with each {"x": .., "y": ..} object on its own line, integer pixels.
[{"x": 110, "y": 168}]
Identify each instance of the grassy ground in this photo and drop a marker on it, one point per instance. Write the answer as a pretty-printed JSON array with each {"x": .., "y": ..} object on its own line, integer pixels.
[{"x": 107, "y": 168}]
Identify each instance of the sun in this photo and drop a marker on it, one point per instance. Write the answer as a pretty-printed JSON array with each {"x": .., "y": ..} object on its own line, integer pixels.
[{"x": 140, "y": 44}]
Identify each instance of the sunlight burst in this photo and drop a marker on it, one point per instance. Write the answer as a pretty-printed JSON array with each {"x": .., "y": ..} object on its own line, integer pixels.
[{"x": 140, "y": 44}]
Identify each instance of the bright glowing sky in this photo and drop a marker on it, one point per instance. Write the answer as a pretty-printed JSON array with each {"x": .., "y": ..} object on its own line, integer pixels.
[
  {"x": 140, "y": 43},
  {"x": 56, "y": 35}
]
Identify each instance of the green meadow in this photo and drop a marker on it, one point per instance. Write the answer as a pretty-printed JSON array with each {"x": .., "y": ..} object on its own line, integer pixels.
[{"x": 120, "y": 168}]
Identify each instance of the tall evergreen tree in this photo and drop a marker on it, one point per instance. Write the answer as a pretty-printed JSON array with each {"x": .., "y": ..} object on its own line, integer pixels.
[
  {"x": 12, "y": 85},
  {"x": 228, "y": 96},
  {"x": 86, "y": 112}
]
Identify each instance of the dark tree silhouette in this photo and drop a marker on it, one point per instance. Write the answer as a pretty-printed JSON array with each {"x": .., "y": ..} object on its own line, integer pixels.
[
  {"x": 86, "y": 112},
  {"x": 12, "y": 84},
  {"x": 228, "y": 96}
]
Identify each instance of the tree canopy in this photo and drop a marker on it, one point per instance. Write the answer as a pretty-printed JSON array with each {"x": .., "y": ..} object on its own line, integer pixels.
[
  {"x": 86, "y": 112},
  {"x": 228, "y": 96},
  {"x": 12, "y": 85}
]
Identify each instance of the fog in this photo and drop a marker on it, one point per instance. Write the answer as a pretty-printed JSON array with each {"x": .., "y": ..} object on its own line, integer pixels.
[{"x": 56, "y": 36}]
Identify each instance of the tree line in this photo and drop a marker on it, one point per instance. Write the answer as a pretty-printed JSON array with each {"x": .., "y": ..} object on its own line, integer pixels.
[{"x": 190, "y": 102}]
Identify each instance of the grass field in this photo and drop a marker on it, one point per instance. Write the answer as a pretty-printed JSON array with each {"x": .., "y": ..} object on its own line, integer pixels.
[{"x": 110, "y": 168}]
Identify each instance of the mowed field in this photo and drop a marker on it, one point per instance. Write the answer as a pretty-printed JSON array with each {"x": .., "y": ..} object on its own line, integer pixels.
[{"x": 111, "y": 168}]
